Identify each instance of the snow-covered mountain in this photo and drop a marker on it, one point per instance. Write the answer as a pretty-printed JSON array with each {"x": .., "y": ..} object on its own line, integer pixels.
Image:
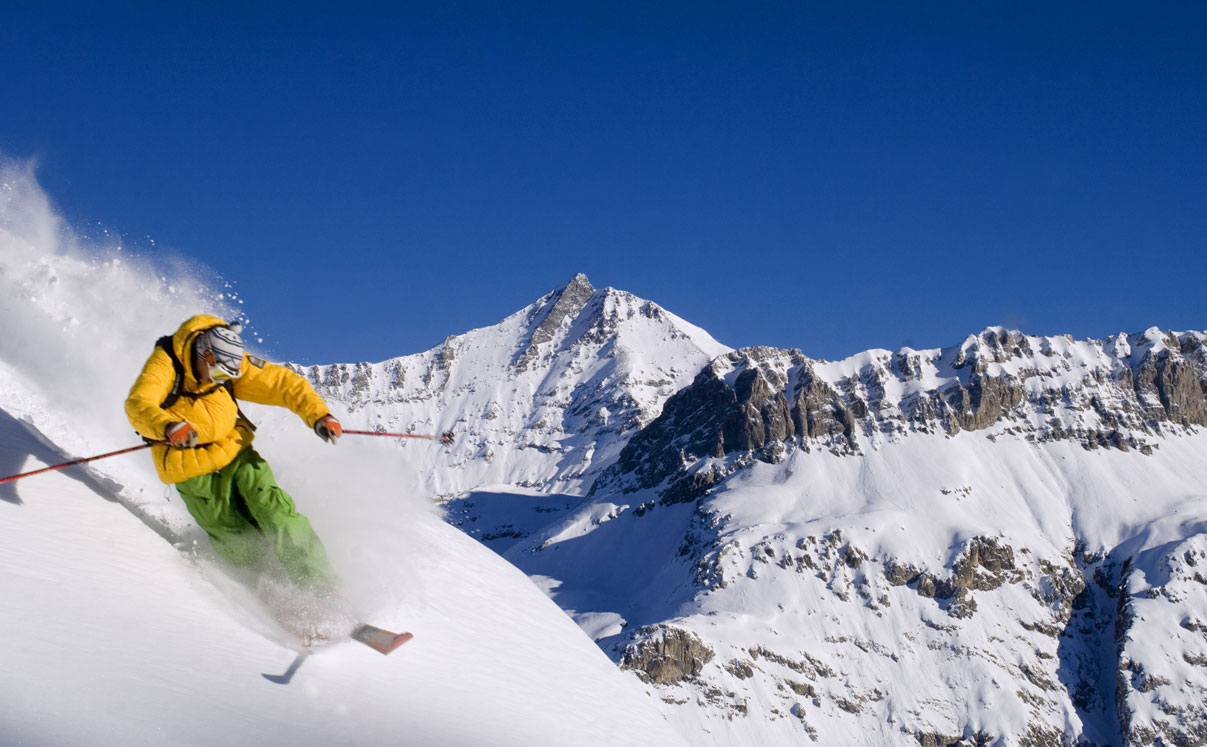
[
  {"x": 999, "y": 542},
  {"x": 996, "y": 542},
  {"x": 544, "y": 399},
  {"x": 941, "y": 545}
]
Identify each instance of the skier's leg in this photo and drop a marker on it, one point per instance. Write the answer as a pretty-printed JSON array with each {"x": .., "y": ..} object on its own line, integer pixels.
[
  {"x": 288, "y": 532},
  {"x": 209, "y": 500}
]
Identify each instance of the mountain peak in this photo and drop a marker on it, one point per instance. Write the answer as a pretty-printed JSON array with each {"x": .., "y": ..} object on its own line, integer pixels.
[
  {"x": 579, "y": 283},
  {"x": 558, "y": 307}
]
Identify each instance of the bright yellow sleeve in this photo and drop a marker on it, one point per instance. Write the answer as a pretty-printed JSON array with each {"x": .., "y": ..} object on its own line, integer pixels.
[
  {"x": 150, "y": 389},
  {"x": 269, "y": 384}
]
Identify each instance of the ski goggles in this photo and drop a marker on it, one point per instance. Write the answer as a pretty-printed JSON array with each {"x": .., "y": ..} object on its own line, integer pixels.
[{"x": 222, "y": 368}]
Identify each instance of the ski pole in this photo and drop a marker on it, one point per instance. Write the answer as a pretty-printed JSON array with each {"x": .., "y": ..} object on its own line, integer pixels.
[
  {"x": 78, "y": 461},
  {"x": 444, "y": 438}
]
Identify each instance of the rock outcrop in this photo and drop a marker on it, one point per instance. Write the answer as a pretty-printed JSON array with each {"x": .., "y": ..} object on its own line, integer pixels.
[
  {"x": 753, "y": 403},
  {"x": 665, "y": 654}
]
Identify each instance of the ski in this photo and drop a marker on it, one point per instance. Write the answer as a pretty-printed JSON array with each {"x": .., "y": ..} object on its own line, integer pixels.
[{"x": 382, "y": 641}]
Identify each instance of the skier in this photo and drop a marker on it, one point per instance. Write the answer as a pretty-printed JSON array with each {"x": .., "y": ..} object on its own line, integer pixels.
[{"x": 186, "y": 399}]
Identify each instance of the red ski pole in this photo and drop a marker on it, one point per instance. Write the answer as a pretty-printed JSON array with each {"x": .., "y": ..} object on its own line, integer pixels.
[
  {"x": 78, "y": 461},
  {"x": 444, "y": 438}
]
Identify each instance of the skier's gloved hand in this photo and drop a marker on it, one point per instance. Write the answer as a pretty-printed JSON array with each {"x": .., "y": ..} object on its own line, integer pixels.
[
  {"x": 329, "y": 429},
  {"x": 182, "y": 435}
]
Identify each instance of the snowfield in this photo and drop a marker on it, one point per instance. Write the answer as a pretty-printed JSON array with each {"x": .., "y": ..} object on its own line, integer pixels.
[{"x": 114, "y": 637}]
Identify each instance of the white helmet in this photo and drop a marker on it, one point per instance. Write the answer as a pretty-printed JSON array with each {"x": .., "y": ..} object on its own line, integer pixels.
[{"x": 222, "y": 350}]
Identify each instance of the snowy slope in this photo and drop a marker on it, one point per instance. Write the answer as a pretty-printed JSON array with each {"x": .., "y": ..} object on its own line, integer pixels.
[
  {"x": 811, "y": 585},
  {"x": 112, "y": 636},
  {"x": 118, "y": 627}
]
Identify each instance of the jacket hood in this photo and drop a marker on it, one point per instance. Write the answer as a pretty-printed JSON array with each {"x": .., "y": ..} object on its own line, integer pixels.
[{"x": 182, "y": 340}]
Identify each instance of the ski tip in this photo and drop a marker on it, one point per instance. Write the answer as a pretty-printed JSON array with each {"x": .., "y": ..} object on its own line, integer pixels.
[
  {"x": 401, "y": 639},
  {"x": 382, "y": 641},
  {"x": 387, "y": 646}
]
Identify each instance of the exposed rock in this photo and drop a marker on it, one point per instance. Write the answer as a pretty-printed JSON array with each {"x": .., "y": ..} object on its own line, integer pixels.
[
  {"x": 740, "y": 668},
  {"x": 689, "y": 428},
  {"x": 899, "y": 574},
  {"x": 819, "y": 413},
  {"x": 762, "y": 414},
  {"x": 1059, "y": 587},
  {"x": 804, "y": 689},
  {"x": 806, "y": 665},
  {"x": 985, "y": 565},
  {"x": 1037, "y": 736},
  {"x": 664, "y": 655},
  {"x": 566, "y": 304},
  {"x": 933, "y": 739},
  {"x": 927, "y": 586},
  {"x": 1171, "y": 388},
  {"x": 853, "y": 557},
  {"x": 989, "y": 399}
]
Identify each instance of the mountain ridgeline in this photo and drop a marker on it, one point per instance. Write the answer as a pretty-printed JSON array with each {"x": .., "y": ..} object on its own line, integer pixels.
[
  {"x": 1122, "y": 393},
  {"x": 997, "y": 542}
]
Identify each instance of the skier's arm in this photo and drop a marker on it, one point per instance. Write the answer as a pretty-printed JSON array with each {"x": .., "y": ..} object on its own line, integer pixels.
[
  {"x": 269, "y": 384},
  {"x": 150, "y": 389}
]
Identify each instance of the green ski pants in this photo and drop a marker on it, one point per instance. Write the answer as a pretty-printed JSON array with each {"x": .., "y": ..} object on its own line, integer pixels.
[{"x": 245, "y": 512}]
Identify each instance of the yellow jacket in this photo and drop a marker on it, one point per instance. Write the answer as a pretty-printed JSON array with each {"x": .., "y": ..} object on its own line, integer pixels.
[{"x": 220, "y": 433}]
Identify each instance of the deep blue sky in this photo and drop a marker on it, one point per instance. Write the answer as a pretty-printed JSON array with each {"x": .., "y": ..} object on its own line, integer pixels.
[{"x": 829, "y": 176}]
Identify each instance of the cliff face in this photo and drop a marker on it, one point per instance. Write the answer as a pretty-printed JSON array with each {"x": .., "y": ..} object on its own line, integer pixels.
[{"x": 1119, "y": 393}]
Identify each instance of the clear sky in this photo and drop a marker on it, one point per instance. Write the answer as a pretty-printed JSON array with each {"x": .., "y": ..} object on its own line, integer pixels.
[{"x": 829, "y": 176}]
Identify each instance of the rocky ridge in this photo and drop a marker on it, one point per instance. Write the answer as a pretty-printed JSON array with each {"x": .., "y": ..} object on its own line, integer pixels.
[{"x": 1120, "y": 393}]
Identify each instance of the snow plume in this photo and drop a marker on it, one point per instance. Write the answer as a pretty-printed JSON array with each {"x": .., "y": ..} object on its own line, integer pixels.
[
  {"x": 364, "y": 501},
  {"x": 80, "y": 316}
]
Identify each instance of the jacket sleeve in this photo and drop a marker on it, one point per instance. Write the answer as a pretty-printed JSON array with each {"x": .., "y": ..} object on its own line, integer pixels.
[
  {"x": 270, "y": 384},
  {"x": 150, "y": 389}
]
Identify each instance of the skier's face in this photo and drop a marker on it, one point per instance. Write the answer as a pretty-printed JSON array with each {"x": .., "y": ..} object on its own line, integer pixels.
[
  {"x": 202, "y": 370},
  {"x": 209, "y": 370},
  {"x": 219, "y": 370}
]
